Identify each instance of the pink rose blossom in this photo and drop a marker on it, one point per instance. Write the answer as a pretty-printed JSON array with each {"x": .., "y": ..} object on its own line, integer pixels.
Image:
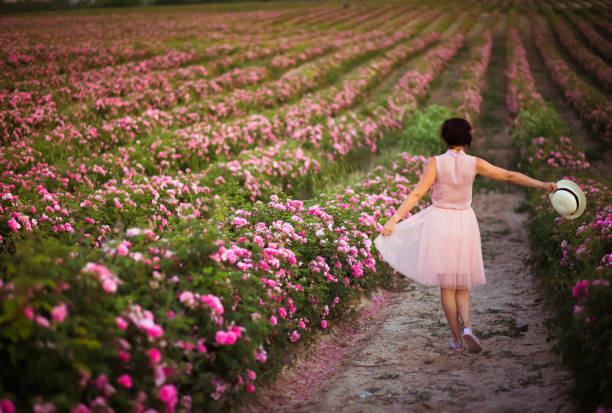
[
  {"x": 294, "y": 336},
  {"x": 123, "y": 248},
  {"x": 169, "y": 395},
  {"x": 121, "y": 323},
  {"x": 260, "y": 354},
  {"x": 580, "y": 290},
  {"x": 125, "y": 381},
  {"x": 154, "y": 355},
  {"x": 42, "y": 321},
  {"x": 14, "y": 225},
  {"x": 59, "y": 312},
  {"x": 81, "y": 408},
  {"x": 6, "y": 406},
  {"x": 223, "y": 337}
]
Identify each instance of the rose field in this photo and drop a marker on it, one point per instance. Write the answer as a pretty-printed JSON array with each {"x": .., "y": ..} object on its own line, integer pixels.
[{"x": 188, "y": 193}]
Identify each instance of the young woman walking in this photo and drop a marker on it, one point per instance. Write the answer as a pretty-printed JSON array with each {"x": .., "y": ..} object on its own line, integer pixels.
[{"x": 440, "y": 245}]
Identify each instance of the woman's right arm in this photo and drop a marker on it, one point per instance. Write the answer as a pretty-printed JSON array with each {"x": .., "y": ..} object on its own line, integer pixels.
[{"x": 484, "y": 168}]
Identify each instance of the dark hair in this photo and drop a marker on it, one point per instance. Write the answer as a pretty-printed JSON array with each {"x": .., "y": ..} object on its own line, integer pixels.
[{"x": 456, "y": 131}]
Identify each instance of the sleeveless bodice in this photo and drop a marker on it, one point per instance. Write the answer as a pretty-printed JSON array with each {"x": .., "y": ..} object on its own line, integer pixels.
[{"x": 455, "y": 172}]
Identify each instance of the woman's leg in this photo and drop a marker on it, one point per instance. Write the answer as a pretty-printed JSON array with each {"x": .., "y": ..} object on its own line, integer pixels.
[
  {"x": 449, "y": 305},
  {"x": 463, "y": 306}
]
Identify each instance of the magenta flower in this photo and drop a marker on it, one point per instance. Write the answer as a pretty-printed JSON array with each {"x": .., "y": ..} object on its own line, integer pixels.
[
  {"x": 59, "y": 312},
  {"x": 213, "y": 302},
  {"x": 294, "y": 336},
  {"x": 6, "y": 406},
  {"x": 154, "y": 331},
  {"x": 224, "y": 337},
  {"x": 42, "y": 321},
  {"x": 121, "y": 323},
  {"x": 580, "y": 290},
  {"x": 125, "y": 381},
  {"x": 260, "y": 354},
  {"x": 14, "y": 225},
  {"x": 154, "y": 355},
  {"x": 169, "y": 395},
  {"x": 29, "y": 312},
  {"x": 108, "y": 280},
  {"x": 123, "y": 248}
]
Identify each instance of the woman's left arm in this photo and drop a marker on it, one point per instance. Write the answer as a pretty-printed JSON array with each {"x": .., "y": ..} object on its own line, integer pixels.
[{"x": 419, "y": 190}]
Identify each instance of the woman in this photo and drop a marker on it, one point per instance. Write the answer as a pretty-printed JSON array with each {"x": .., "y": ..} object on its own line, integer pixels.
[{"x": 440, "y": 245}]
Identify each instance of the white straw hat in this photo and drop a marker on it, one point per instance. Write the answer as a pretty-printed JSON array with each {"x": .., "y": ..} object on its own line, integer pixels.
[{"x": 568, "y": 200}]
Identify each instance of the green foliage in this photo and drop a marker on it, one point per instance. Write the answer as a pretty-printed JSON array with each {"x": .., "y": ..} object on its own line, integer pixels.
[
  {"x": 586, "y": 342},
  {"x": 543, "y": 121},
  {"x": 421, "y": 134}
]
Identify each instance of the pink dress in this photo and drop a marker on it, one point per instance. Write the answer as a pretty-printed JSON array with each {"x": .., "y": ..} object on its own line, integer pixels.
[{"x": 440, "y": 245}]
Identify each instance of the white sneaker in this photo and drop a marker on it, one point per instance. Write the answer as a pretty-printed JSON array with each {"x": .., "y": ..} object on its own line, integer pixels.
[{"x": 471, "y": 341}]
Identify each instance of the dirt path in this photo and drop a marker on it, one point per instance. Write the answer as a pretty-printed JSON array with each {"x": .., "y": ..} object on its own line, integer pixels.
[{"x": 395, "y": 357}]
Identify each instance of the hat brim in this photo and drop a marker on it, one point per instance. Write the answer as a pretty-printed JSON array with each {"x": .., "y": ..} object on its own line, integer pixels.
[{"x": 572, "y": 186}]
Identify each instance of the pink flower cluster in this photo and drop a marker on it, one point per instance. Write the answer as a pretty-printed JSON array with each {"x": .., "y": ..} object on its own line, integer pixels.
[
  {"x": 581, "y": 292},
  {"x": 144, "y": 320},
  {"x": 107, "y": 279},
  {"x": 229, "y": 337}
]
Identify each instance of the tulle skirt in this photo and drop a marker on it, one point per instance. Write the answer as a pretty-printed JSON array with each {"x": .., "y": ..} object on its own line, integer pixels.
[{"x": 436, "y": 246}]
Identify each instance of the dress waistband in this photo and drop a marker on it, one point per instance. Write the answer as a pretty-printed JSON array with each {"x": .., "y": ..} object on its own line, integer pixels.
[{"x": 458, "y": 209}]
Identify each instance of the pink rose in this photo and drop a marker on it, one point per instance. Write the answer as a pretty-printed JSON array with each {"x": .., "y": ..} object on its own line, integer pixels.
[
  {"x": 323, "y": 323},
  {"x": 223, "y": 337},
  {"x": 121, "y": 323},
  {"x": 154, "y": 355},
  {"x": 155, "y": 331},
  {"x": 59, "y": 312},
  {"x": 109, "y": 285},
  {"x": 123, "y": 248},
  {"x": 101, "y": 381},
  {"x": 581, "y": 289},
  {"x": 125, "y": 381},
  {"x": 237, "y": 330},
  {"x": 14, "y": 225},
  {"x": 169, "y": 395},
  {"x": 42, "y": 321},
  {"x": 6, "y": 406},
  {"x": 81, "y": 408}
]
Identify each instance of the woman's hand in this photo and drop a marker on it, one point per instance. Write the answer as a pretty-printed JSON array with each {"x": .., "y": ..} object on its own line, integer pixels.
[
  {"x": 388, "y": 228},
  {"x": 549, "y": 186}
]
